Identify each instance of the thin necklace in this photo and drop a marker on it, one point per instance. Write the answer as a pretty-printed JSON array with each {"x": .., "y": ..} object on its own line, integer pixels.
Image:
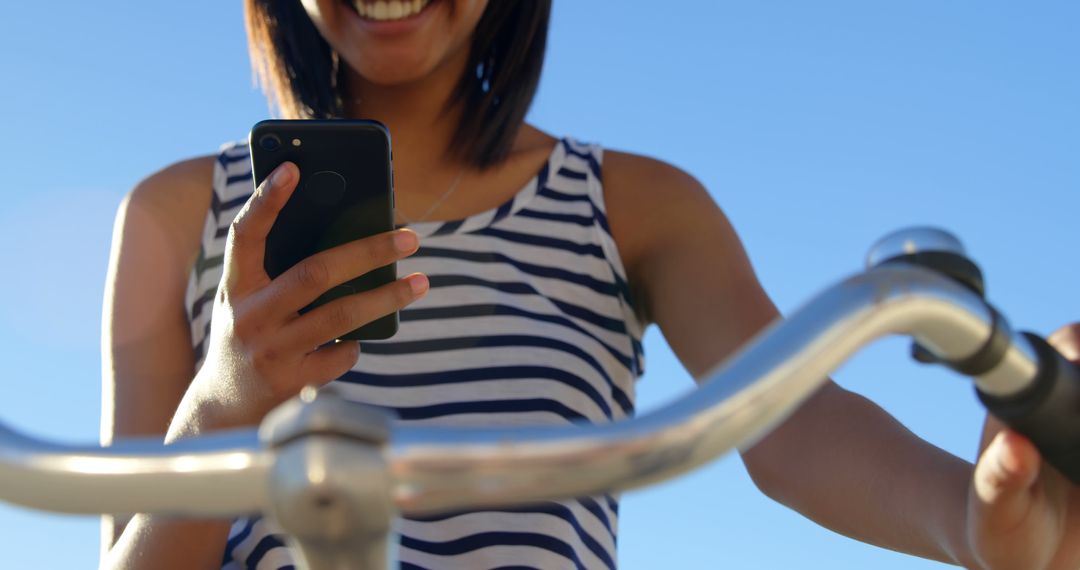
[{"x": 438, "y": 202}]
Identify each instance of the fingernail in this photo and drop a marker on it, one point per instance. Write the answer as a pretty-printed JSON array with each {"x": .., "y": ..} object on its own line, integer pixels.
[
  {"x": 418, "y": 283},
  {"x": 278, "y": 176},
  {"x": 405, "y": 241}
]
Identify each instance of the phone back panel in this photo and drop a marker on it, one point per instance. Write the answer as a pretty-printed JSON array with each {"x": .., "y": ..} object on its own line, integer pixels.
[{"x": 345, "y": 193}]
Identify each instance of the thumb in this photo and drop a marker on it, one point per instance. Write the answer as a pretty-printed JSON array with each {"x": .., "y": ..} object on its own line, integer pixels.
[{"x": 1003, "y": 480}]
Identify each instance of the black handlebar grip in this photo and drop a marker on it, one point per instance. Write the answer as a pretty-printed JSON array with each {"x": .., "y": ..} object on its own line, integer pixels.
[{"x": 1048, "y": 411}]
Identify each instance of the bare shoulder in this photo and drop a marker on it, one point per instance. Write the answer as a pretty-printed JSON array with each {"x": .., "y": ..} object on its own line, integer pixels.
[
  {"x": 180, "y": 186},
  {"x": 645, "y": 196},
  {"x": 624, "y": 167},
  {"x": 177, "y": 197},
  {"x": 651, "y": 204}
]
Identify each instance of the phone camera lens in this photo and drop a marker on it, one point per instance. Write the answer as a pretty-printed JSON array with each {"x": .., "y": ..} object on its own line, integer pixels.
[{"x": 270, "y": 142}]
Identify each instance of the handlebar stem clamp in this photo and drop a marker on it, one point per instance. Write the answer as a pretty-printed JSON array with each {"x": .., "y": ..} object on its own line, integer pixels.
[{"x": 330, "y": 485}]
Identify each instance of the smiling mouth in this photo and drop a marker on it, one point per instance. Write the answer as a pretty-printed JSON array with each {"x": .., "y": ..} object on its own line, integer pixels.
[{"x": 388, "y": 11}]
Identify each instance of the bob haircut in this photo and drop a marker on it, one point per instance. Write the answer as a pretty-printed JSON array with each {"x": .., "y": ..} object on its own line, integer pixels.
[{"x": 301, "y": 75}]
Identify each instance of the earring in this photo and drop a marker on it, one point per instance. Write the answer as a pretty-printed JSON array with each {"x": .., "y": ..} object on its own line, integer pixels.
[{"x": 485, "y": 72}]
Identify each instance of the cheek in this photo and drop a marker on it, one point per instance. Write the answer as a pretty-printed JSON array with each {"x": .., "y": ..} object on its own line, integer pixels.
[
  {"x": 467, "y": 14},
  {"x": 472, "y": 7}
]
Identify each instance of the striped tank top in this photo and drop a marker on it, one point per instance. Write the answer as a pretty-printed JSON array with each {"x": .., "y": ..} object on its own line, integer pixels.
[{"x": 528, "y": 320}]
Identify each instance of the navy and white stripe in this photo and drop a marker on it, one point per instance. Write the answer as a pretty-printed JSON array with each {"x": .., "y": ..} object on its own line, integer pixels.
[{"x": 528, "y": 321}]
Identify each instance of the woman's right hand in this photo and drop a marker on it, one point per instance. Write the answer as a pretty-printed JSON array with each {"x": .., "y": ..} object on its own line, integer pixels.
[{"x": 261, "y": 351}]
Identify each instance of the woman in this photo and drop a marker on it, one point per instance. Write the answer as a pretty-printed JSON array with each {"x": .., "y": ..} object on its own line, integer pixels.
[{"x": 546, "y": 259}]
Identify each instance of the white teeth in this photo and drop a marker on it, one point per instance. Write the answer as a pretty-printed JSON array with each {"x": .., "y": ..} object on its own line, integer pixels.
[{"x": 382, "y": 10}]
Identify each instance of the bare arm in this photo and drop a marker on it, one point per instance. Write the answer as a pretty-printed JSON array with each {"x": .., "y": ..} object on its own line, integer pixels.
[
  {"x": 859, "y": 472},
  {"x": 260, "y": 351},
  {"x": 147, "y": 359}
]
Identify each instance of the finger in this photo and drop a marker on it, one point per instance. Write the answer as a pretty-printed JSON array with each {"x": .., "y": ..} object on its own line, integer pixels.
[
  {"x": 1067, "y": 341},
  {"x": 317, "y": 274},
  {"x": 348, "y": 313},
  {"x": 331, "y": 361},
  {"x": 1004, "y": 478},
  {"x": 246, "y": 242}
]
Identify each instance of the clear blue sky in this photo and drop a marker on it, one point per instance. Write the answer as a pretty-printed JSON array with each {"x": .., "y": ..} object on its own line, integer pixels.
[{"x": 817, "y": 126}]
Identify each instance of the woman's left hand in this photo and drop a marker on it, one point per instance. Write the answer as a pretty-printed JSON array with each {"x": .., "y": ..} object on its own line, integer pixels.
[{"x": 1022, "y": 513}]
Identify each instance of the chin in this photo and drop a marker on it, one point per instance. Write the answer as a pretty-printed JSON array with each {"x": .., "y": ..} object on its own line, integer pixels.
[{"x": 391, "y": 69}]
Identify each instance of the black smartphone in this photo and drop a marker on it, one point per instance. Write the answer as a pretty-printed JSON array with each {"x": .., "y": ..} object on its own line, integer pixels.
[{"x": 345, "y": 193}]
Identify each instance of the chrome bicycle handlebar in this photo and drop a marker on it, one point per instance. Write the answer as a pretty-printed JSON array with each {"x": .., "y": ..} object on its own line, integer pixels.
[
  {"x": 129, "y": 477},
  {"x": 334, "y": 473}
]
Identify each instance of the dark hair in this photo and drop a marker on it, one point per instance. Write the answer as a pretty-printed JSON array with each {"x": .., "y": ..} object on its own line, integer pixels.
[{"x": 300, "y": 74}]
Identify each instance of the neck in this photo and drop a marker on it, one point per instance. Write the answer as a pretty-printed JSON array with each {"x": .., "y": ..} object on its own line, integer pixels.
[{"x": 416, "y": 113}]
